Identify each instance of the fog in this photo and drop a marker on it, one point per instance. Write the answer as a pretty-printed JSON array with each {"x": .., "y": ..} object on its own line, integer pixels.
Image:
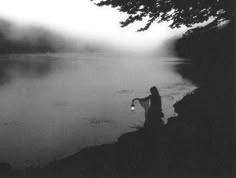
[
  {"x": 85, "y": 21},
  {"x": 68, "y": 72},
  {"x": 54, "y": 105},
  {"x": 18, "y": 38}
]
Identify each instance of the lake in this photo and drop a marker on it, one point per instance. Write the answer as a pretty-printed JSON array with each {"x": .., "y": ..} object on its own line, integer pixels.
[{"x": 52, "y": 105}]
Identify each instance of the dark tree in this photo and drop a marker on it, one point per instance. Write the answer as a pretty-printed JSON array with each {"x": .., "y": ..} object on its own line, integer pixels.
[{"x": 178, "y": 12}]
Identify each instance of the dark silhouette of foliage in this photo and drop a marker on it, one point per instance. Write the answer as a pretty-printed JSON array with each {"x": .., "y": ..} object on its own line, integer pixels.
[
  {"x": 179, "y": 12},
  {"x": 210, "y": 46}
]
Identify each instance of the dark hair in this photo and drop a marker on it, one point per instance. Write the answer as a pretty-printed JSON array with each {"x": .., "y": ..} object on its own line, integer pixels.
[{"x": 154, "y": 91}]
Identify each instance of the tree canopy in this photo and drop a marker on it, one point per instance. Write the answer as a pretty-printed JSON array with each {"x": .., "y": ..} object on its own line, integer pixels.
[{"x": 178, "y": 12}]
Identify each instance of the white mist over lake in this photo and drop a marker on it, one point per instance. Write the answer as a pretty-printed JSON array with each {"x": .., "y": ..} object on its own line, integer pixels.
[
  {"x": 51, "y": 106},
  {"x": 83, "y": 20}
]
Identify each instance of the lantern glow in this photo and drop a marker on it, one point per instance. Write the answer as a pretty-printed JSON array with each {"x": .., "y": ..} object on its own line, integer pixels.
[{"x": 132, "y": 107}]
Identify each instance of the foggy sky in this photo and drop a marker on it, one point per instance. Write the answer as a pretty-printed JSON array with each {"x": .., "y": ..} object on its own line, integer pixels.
[{"x": 83, "y": 19}]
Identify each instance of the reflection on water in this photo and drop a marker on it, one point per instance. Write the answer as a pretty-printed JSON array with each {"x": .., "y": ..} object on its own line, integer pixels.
[
  {"x": 53, "y": 105},
  {"x": 23, "y": 65}
]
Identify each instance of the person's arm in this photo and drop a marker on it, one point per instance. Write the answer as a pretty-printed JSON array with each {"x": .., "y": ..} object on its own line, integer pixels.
[{"x": 141, "y": 99}]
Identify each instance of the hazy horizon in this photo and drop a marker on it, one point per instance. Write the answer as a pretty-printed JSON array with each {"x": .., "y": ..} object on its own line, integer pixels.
[{"x": 85, "y": 21}]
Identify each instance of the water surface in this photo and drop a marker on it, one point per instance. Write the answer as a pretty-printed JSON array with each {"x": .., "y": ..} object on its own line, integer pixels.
[{"x": 53, "y": 105}]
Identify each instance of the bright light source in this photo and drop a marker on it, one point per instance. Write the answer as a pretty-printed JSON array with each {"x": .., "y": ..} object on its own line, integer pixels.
[{"x": 132, "y": 107}]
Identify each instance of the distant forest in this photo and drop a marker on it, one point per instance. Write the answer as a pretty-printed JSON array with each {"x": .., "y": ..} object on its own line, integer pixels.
[
  {"x": 11, "y": 46},
  {"x": 215, "y": 45},
  {"x": 27, "y": 39}
]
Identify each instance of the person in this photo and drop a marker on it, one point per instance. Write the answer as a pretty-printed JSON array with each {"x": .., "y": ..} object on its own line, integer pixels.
[{"x": 153, "y": 109}]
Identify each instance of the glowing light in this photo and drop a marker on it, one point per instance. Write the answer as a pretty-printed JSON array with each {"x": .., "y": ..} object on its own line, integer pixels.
[{"x": 132, "y": 107}]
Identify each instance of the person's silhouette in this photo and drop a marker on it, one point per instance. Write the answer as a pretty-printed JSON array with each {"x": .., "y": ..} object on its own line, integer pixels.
[{"x": 153, "y": 109}]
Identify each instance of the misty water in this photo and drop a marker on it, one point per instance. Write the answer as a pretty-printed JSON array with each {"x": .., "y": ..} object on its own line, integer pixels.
[{"x": 51, "y": 106}]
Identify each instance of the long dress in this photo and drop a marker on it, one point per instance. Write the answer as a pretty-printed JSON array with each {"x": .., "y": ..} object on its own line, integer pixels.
[{"x": 153, "y": 112}]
